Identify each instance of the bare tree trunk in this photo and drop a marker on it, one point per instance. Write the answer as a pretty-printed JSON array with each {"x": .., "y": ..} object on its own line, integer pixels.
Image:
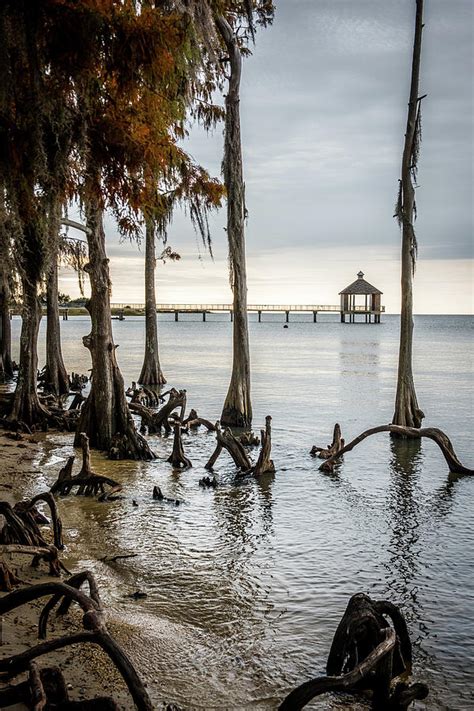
[
  {"x": 407, "y": 413},
  {"x": 237, "y": 411},
  {"x": 55, "y": 375},
  {"x": 6, "y": 368},
  {"x": 26, "y": 405},
  {"x": 151, "y": 371},
  {"x": 105, "y": 412}
]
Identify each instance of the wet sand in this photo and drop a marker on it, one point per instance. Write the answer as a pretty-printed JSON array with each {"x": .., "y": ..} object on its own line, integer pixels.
[{"x": 86, "y": 669}]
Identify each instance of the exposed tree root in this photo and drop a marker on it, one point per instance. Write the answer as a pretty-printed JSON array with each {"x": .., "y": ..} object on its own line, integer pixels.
[
  {"x": 333, "y": 448},
  {"x": 144, "y": 395},
  {"x": 159, "y": 496},
  {"x": 46, "y": 689},
  {"x": 438, "y": 436},
  {"x": 226, "y": 440},
  {"x": 77, "y": 381},
  {"x": 21, "y": 522},
  {"x": 88, "y": 483},
  {"x": 8, "y": 580},
  {"x": 264, "y": 464},
  {"x": 20, "y": 533},
  {"x": 154, "y": 421},
  {"x": 94, "y": 632},
  {"x": 177, "y": 457},
  {"x": 366, "y": 653}
]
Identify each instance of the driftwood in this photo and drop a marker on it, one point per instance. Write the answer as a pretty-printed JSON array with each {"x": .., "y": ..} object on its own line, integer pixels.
[
  {"x": 177, "y": 457},
  {"x": 366, "y": 654},
  {"x": 264, "y": 464},
  {"x": 88, "y": 483},
  {"x": 154, "y": 421},
  {"x": 94, "y": 632},
  {"x": 333, "y": 448},
  {"x": 438, "y": 436}
]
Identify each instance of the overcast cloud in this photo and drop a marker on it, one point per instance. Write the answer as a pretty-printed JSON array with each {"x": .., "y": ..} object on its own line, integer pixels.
[{"x": 324, "y": 100}]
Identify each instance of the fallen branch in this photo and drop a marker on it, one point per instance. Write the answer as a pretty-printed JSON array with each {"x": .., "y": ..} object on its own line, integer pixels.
[{"x": 438, "y": 436}]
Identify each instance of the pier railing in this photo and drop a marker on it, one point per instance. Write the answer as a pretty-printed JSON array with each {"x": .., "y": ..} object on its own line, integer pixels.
[{"x": 251, "y": 307}]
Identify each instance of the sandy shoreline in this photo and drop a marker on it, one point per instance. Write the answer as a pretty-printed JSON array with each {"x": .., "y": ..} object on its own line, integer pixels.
[{"x": 87, "y": 671}]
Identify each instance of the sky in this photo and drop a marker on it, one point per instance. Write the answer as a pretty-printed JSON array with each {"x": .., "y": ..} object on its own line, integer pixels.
[{"x": 323, "y": 106}]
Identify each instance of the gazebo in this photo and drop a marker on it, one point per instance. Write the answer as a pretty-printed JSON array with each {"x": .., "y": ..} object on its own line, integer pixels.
[{"x": 372, "y": 304}]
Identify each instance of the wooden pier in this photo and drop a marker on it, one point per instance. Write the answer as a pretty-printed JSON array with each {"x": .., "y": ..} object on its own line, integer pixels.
[{"x": 259, "y": 309}]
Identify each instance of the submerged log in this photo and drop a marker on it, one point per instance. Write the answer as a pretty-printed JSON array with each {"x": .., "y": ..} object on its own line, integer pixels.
[
  {"x": 438, "y": 436},
  {"x": 333, "y": 448},
  {"x": 366, "y": 653},
  {"x": 177, "y": 457}
]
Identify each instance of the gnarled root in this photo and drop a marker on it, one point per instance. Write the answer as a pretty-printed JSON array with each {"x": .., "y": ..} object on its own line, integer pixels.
[
  {"x": 264, "y": 464},
  {"x": 333, "y": 448},
  {"x": 8, "y": 579},
  {"x": 154, "y": 421},
  {"x": 226, "y": 440},
  {"x": 438, "y": 436},
  {"x": 177, "y": 457},
  {"x": 21, "y": 523},
  {"x": 366, "y": 653},
  {"x": 94, "y": 632},
  {"x": 88, "y": 483}
]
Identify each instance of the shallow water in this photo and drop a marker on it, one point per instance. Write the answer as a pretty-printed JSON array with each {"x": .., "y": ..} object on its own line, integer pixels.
[{"x": 246, "y": 584}]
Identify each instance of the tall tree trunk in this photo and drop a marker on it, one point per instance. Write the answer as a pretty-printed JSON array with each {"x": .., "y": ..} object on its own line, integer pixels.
[
  {"x": 151, "y": 371},
  {"x": 407, "y": 412},
  {"x": 237, "y": 409},
  {"x": 6, "y": 369},
  {"x": 26, "y": 405},
  {"x": 56, "y": 375},
  {"x": 105, "y": 413}
]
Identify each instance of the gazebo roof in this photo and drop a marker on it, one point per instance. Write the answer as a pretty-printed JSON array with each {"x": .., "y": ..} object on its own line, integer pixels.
[{"x": 360, "y": 286}]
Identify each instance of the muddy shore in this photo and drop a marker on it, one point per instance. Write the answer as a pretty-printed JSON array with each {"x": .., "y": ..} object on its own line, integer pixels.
[{"x": 87, "y": 671}]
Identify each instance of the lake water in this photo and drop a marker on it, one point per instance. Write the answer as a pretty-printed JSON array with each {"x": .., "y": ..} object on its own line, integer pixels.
[{"x": 246, "y": 583}]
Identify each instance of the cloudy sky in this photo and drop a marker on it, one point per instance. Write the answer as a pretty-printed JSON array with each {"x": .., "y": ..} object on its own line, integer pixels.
[{"x": 324, "y": 100}]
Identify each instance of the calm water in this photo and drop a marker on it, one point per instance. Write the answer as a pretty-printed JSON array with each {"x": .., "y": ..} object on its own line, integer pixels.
[{"x": 247, "y": 583}]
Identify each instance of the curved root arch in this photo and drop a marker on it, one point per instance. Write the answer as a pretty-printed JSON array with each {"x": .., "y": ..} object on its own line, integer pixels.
[{"x": 438, "y": 436}]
